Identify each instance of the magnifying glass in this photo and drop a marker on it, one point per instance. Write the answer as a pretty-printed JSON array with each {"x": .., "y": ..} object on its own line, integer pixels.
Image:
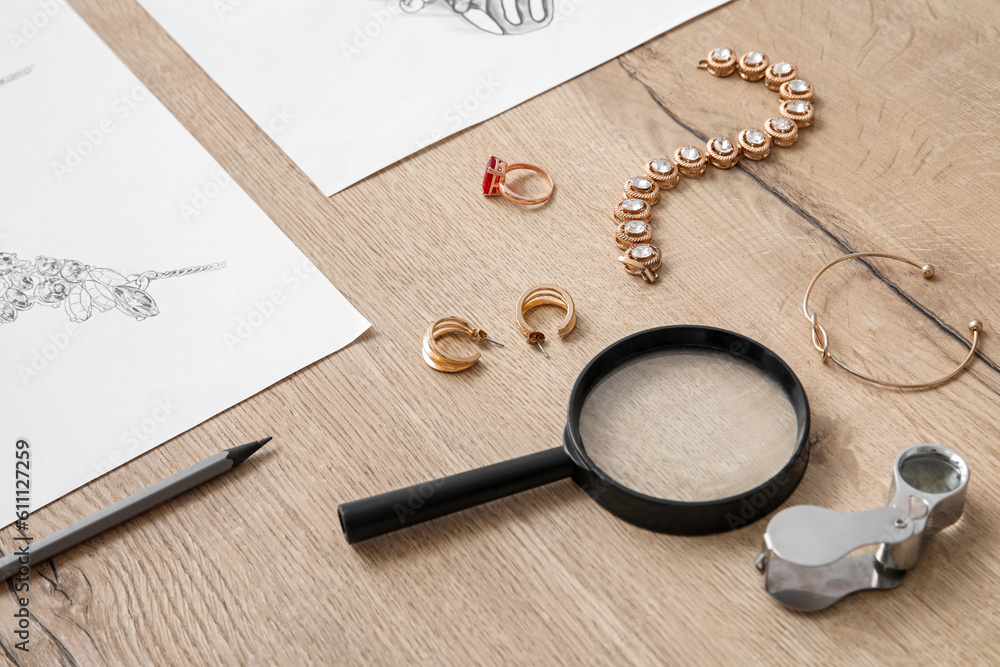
[{"x": 688, "y": 430}]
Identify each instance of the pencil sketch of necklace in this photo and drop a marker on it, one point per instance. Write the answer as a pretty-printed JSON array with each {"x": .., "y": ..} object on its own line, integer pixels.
[
  {"x": 489, "y": 15},
  {"x": 79, "y": 288}
]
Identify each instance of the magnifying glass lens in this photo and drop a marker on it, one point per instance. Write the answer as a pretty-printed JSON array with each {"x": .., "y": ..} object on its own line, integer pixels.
[
  {"x": 689, "y": 425},
  {"x": 930, "y": 473}
]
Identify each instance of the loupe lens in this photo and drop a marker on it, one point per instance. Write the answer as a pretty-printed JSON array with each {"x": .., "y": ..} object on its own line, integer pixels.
[
  {"x": 689, "y": 425},
  {"x": 930, "y": 473}
]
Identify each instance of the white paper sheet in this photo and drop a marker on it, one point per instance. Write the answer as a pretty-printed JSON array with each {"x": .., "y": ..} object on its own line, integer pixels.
[
  {"x": 347, "y": 87},
  {"x": 95, "y": 169}
]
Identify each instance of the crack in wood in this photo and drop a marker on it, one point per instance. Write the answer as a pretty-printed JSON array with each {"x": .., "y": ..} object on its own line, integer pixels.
[
  {"x": 54, "y": 581},
  {"x": 11, "y": 658}
]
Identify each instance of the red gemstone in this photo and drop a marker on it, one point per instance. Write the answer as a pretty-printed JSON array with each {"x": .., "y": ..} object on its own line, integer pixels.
[{"x": 490, "y": 180}]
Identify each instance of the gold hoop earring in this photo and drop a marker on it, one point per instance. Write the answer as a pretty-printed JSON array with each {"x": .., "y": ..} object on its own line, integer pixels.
[
  {"x": 449, "y": 325},
  {"x": 545, "y": 295},
  {"x": 821, "y": 340}
]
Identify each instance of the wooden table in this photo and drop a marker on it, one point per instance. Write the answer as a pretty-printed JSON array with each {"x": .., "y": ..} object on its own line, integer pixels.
[{"x": 251, "y": 569}]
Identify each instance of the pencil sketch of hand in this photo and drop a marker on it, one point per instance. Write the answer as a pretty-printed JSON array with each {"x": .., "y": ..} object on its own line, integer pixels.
[
  {"x": 51, "y": 282},
  {"x": 489, "y": 15}
]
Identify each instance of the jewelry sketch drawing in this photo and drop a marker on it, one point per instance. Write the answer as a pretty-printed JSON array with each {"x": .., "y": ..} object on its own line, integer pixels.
[
  {"x": 79, "y": 288},
  {"x": 490, "y": 16}
]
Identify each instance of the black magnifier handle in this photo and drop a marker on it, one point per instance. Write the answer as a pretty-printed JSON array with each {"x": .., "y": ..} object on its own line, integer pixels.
[{"x": 388, "y": 512}]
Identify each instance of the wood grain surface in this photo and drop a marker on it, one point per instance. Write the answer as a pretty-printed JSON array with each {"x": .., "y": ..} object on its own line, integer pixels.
[{"x": 252, "y": 569}]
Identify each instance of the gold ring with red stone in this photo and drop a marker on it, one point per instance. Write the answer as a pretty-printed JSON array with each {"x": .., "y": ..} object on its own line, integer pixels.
[
  {"x": 633, "y": 232},
  {"x": 754, "y": 144},
  {"x": 663, "y": 172},
  {"x": 690, "y": 161},
  {"x": 722, "y": 152},
  {"x": 802, "y": 113},
  {"x": 640, "y": 187},
  {"x": 783, "y": 132},
  {"x": 494, "y": 183}
]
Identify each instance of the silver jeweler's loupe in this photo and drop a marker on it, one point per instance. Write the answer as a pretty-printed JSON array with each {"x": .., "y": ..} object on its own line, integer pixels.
[{"x": 806, "y": 558}]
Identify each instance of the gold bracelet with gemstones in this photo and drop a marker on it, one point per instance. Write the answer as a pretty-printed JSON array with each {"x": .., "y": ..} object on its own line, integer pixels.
[{"x": 633, "y": 233}]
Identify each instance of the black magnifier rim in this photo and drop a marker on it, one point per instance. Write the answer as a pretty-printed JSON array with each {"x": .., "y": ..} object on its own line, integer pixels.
[{"x": 672, "y": 516}]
